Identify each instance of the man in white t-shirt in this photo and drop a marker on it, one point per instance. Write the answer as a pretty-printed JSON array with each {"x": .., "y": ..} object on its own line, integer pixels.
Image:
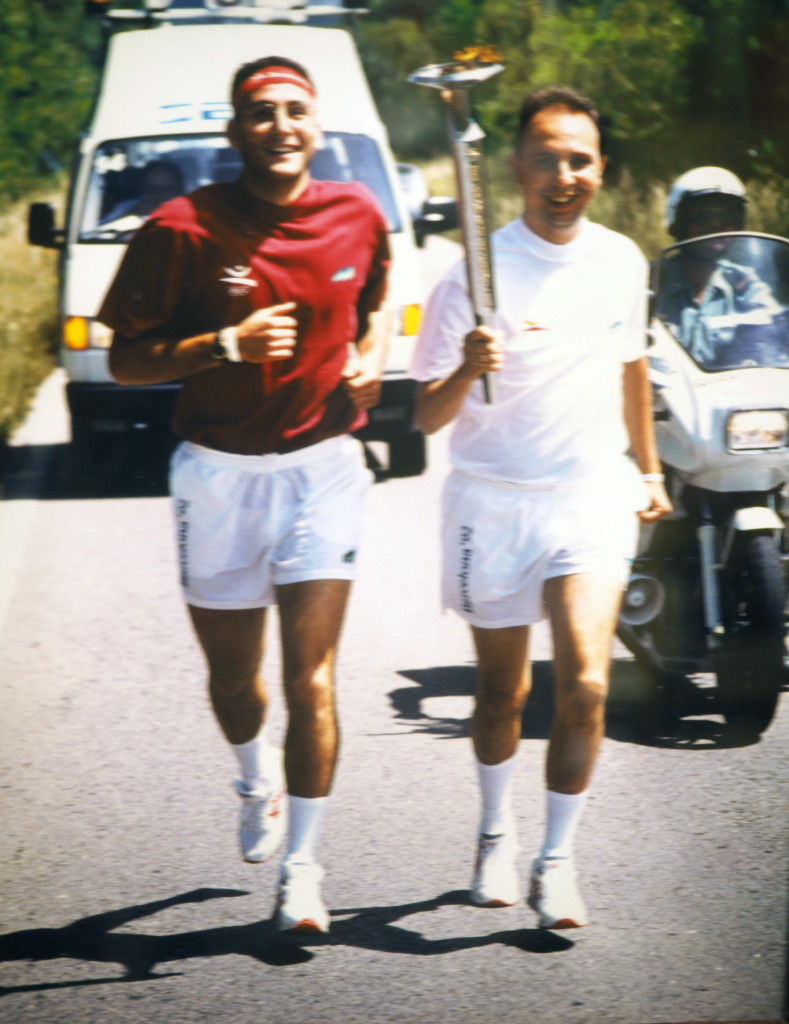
[{"x": 542, "y": 505}]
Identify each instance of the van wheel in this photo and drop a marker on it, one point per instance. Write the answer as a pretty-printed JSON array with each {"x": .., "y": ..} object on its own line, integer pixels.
[
  {"x": 95, "y": 460},
  {"x": 408, "y": 455},
  {"x": 82, "y": 461}
]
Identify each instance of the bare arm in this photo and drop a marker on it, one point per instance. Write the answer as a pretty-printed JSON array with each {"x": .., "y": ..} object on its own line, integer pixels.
[
  {"x": 267, "y": 335},
  {"x": 637, "y": 393},
  {"x": 365, "y": 366},
  {"x": 439, "y": 401}
]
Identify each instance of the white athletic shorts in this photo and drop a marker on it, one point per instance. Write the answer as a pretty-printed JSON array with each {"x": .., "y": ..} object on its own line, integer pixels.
[
  {"x": 246, "y": 524},
  {"x": 502, "y": 541}
]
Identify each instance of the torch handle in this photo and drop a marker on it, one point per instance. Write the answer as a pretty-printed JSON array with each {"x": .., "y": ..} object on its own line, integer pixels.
[{"x": 468, "y": 156}]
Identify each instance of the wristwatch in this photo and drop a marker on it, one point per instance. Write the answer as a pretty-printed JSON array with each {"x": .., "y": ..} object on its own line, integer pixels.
[
  {"x": 225, "y": 346},
  {"x": 218, "y": 349}
]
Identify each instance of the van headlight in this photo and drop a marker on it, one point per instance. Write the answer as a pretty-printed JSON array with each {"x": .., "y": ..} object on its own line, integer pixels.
[{"x": 756, "y": 429}]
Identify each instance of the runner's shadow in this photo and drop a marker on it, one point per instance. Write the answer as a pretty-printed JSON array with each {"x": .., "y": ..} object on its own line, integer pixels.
[
  {"x": 417, "y": 705},
  {"x": 375, "y": 928},
  {"x": 430, "y": 705},
  {"x": 94, "y": 940}
]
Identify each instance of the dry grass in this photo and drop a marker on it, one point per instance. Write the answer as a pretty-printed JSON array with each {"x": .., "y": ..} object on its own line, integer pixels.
[{"x": 28, "y": 316}]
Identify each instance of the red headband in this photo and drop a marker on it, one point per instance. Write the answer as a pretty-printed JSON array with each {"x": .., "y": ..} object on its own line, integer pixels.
[{"x": 273, "y": 75}]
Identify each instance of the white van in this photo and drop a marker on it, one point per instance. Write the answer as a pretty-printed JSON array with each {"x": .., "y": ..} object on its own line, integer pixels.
[{"x": 159, "y": 126}]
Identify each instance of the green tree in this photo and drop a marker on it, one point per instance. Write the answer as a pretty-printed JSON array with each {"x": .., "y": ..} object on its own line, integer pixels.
[
  {"x": 390, "y": 52},
  {"x": 47, "y": 78},
  {"x": 631, "y": 60},
  {"x": 738, "y": 70}
]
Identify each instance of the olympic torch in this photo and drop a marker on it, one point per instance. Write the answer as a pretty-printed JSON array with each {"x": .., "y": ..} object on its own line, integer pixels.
[{"x": 454, "y": 80}]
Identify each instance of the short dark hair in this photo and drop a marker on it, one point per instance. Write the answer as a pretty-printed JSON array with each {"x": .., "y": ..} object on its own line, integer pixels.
[
  {"x": 252, "y": 66},
  {"x": 557, "y": 96}
]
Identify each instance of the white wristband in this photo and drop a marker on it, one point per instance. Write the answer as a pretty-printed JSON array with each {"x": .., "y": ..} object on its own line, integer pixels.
[
  {"x": 652, "y": 478},
  {"x": 228, "y": 339}
]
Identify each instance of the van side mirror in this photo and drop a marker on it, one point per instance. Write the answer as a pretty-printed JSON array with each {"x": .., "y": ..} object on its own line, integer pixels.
[
  {"x": 41, "y": 228},
  {"x": 439, "y": 213}
]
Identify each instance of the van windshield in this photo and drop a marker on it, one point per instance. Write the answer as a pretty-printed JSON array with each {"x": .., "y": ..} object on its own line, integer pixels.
[{"x": 130, "y": 177}]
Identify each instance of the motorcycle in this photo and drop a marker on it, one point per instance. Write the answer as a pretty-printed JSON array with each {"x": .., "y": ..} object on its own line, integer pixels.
[{"x": 707, "y": 593}]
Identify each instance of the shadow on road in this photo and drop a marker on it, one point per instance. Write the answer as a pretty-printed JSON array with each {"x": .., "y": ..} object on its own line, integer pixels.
[
  {"x": 696, "y": 723},
  {"x": 47, "y": 473},
  {"x": 94, "y": 940},
  {"x": 137, "y": 467}
]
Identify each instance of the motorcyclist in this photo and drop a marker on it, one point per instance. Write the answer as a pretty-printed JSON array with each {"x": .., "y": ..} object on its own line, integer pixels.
[{"x": 703, "y": 295}]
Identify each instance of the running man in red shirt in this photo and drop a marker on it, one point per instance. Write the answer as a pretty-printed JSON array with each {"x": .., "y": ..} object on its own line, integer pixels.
[{"x": 266, "y": 296}]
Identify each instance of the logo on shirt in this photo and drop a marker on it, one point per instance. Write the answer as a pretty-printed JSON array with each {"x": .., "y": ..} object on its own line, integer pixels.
[
  {"x": 345, "y": 274},
  {"x": 237, "y": 281},
  {"x": 530, "y": 325}
]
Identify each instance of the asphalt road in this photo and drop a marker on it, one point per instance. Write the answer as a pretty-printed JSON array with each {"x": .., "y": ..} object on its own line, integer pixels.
[{"x": 124, "y": 898}]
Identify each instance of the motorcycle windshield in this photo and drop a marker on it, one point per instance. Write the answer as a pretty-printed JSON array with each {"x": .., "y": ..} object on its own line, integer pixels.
[
  {"x": 129, "y": 178},
  {"x": 725, "y": 298}
]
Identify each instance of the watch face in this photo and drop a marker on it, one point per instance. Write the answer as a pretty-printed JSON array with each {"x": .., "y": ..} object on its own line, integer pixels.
[{"x": 218, "y": 349}]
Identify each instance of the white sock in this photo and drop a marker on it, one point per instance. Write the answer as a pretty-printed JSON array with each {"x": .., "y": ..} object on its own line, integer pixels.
[
  {"x": 305, "y": 821},
  {"x": 563, "y": 814},
  {"x": 495, "y": 785},
  {"x": 260, "y": 763}
]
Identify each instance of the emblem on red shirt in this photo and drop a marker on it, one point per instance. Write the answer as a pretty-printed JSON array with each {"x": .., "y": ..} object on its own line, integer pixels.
[{"x": 237, "y": 280}]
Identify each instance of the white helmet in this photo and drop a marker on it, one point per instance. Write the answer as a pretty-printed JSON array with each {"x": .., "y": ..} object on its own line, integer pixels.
[{"x": 702, "y": 181}]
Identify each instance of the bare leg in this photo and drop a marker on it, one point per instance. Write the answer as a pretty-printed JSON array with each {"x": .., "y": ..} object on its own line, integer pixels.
[
  {"x": 583, "y": 609},
  {"x": 503, "y": 683},
  {"x": 311, "y": 616},
  {"x": 233, "y": 645},
  {"x": 503, "y": 678}
]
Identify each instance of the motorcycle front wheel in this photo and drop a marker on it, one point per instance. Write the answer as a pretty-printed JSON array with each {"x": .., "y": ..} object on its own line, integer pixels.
[{"x": 750, "y": 660}]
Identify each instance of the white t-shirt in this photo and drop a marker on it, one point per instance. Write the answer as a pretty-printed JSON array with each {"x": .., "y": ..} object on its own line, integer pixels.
[{"x": 571, "y": 315}]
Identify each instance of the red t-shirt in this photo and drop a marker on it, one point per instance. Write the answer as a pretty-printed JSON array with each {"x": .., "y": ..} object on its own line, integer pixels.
[{"x": 207, "y": 260}]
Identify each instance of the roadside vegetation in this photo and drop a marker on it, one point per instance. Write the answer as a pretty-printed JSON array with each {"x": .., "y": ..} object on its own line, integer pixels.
[{"x": 28, "y": 316}]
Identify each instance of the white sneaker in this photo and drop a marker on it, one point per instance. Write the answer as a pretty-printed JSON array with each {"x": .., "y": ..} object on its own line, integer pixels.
[
  {"x": 496, "y": 882},
  {"x": 262, "y": 823},
  {"x": 554, "y": 895},
  {"x": 299, "y": 904}
]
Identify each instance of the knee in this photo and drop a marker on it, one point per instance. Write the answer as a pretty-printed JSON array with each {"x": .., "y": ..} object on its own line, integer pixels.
[
  {"x": 499, "y": 702},
  {"x": 581, "y": 705},
  {"x": 228, "y": 684},
  {"x": 310, "y": 693}
]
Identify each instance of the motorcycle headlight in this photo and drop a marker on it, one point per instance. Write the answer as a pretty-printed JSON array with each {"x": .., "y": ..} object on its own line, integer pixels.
[{"x": 757, "y": 429}]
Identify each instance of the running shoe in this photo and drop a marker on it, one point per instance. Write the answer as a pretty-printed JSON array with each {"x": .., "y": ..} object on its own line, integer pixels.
[
  {"x": 495, "y": 882},
  {"x": 262, "y": 823},
  {"x": 299, "y": 904},
  {"x": 554, "y": 895}
]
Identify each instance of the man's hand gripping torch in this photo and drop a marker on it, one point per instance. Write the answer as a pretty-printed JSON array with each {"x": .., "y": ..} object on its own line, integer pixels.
[{"x": 454, "y": 80}]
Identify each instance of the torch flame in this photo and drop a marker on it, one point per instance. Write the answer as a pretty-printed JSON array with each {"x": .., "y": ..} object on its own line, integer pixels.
[{"x": 477, "y": 54}]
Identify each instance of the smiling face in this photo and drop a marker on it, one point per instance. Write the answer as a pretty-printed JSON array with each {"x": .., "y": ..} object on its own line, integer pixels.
[
  {"x": 276, "y": 131},
  {"x": 559, "y": 169}
]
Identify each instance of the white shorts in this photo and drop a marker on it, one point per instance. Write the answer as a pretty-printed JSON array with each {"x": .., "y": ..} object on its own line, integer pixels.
[
  {"x": 502, "y": 541},
  {"x": 246, "y": 524}
]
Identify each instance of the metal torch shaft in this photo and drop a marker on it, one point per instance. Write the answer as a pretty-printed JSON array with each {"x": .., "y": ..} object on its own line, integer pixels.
[{"x": 467, "y": 138}]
